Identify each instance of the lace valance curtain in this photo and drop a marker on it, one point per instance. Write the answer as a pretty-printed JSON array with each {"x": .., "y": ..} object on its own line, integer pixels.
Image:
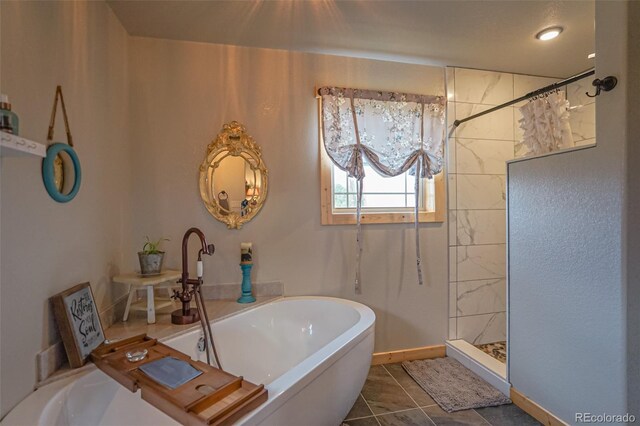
[{"x": 393, "y": 131}]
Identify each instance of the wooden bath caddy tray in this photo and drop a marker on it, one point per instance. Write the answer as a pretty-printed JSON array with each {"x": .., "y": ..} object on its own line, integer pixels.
[{"x": 213, "y": 398}]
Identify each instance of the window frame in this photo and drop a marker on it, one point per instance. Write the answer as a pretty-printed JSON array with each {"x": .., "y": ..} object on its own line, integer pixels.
[{"x": 330, "y": 217}]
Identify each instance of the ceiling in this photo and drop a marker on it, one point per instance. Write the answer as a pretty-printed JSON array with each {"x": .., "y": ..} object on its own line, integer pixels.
[{"x": 494, "y": 35}]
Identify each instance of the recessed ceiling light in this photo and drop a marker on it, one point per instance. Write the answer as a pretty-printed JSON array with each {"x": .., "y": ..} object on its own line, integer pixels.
[{"x": 549, "y": 33}]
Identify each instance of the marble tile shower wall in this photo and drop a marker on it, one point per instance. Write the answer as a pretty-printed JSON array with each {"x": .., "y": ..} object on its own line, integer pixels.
[
  {"x": 476, "y": 163},
  {"x": 582, "y": 112}
]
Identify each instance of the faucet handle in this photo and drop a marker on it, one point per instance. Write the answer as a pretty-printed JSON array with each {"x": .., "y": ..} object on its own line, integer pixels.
[{"x": 176, "y": 294}]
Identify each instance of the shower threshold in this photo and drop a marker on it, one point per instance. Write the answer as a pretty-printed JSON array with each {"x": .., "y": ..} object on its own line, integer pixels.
[{"x": 481, "y": 363}]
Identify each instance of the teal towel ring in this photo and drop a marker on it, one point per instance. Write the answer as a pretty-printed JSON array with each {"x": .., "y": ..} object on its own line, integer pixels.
[
  {"x": 53, "y": 150},
  {"x": 48, "y": 172}
]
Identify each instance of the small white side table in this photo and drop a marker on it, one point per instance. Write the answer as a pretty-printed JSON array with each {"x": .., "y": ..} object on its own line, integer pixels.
[{"x": 135, "y": 280}]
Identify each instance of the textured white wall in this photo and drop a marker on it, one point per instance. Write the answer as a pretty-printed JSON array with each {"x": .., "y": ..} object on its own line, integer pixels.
[
  {"x": 46, "y": 246},
  {"x": 567, "y": 314},
  {"x": 633, "y": 207},
  {"x": 182, "y": 94}
]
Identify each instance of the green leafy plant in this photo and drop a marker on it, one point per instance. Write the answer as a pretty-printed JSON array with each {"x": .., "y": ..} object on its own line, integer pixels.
[{"x": 152, "y": 247}]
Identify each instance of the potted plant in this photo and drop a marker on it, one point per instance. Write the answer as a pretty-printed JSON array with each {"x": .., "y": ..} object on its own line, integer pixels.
[{"x": 151, "y": 257}]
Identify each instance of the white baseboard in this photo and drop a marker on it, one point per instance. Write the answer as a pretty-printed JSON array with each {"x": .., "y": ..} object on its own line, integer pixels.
[{"x": 485, "y": 366}]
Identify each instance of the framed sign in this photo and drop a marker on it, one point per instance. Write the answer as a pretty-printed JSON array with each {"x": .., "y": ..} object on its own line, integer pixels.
[{"x": 79, "y": 323}]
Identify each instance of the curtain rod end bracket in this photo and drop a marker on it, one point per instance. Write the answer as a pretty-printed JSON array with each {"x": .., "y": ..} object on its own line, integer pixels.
[{"x": 606, "y": 84}]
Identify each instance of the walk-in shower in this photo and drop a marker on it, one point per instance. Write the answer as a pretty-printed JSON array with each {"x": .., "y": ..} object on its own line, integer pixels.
[{"x": 477, "y": 152}]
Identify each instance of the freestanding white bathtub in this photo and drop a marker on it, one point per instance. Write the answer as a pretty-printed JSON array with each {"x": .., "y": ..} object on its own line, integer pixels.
[{"x": 312, "y": 354}]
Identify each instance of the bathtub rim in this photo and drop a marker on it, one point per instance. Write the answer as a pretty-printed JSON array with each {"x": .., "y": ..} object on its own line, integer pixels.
[{"x": 50, "y": 393}]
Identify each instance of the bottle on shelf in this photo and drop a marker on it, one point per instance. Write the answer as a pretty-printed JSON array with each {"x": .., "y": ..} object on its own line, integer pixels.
[{"x": 8, "y": 119}]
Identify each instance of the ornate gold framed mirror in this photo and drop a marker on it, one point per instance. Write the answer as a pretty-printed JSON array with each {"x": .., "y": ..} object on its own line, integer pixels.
[{"x": 233, "y": 177}]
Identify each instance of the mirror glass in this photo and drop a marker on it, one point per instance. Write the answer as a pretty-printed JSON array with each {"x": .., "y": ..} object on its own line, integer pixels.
[{"x": 233, "y": 177}]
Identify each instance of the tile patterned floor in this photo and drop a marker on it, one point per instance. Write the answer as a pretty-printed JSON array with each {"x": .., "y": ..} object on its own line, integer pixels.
[
  {"x": 498, "y": 350},
  {"x": 390, "y": 397}
]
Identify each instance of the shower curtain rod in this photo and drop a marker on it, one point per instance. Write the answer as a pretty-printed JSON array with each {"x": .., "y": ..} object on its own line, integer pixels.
[{"x": 527, "y": 96}]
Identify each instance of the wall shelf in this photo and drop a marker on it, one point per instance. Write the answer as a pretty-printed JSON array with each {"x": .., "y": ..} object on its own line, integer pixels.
[{"x": 14, "y": 146}]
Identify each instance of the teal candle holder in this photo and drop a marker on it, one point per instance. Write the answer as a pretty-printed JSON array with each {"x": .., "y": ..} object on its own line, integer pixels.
[{"x": 246, "y": 297}]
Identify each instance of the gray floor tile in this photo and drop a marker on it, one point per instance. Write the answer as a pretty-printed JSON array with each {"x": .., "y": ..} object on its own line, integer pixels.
[
  {"x": 413, "y": 389},
  {"x": 367, "y": 421},
  {"x": 507, "y": 415},
  {"x": 465, "y": 417},
  {"x": 405, "y": 418},
  {"x": 383, "y": 394},
  {"x": 359, "y": 409}
]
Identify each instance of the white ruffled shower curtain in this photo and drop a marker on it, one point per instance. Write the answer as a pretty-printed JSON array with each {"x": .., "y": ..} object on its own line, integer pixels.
[
  {"x": 394, "y": 131},
  {"x": 545, "y": 122}
]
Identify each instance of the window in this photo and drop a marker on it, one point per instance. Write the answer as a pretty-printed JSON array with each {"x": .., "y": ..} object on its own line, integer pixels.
[
  {"x": 380, "y": 193},
  {"x": 384, "y": 199},
  {"x": 389, "y": 132},
  {"x": 376, "y": 135}
]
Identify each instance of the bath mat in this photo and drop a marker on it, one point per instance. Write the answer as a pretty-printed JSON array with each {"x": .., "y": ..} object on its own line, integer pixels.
[{"x": 453, "y": 386}]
